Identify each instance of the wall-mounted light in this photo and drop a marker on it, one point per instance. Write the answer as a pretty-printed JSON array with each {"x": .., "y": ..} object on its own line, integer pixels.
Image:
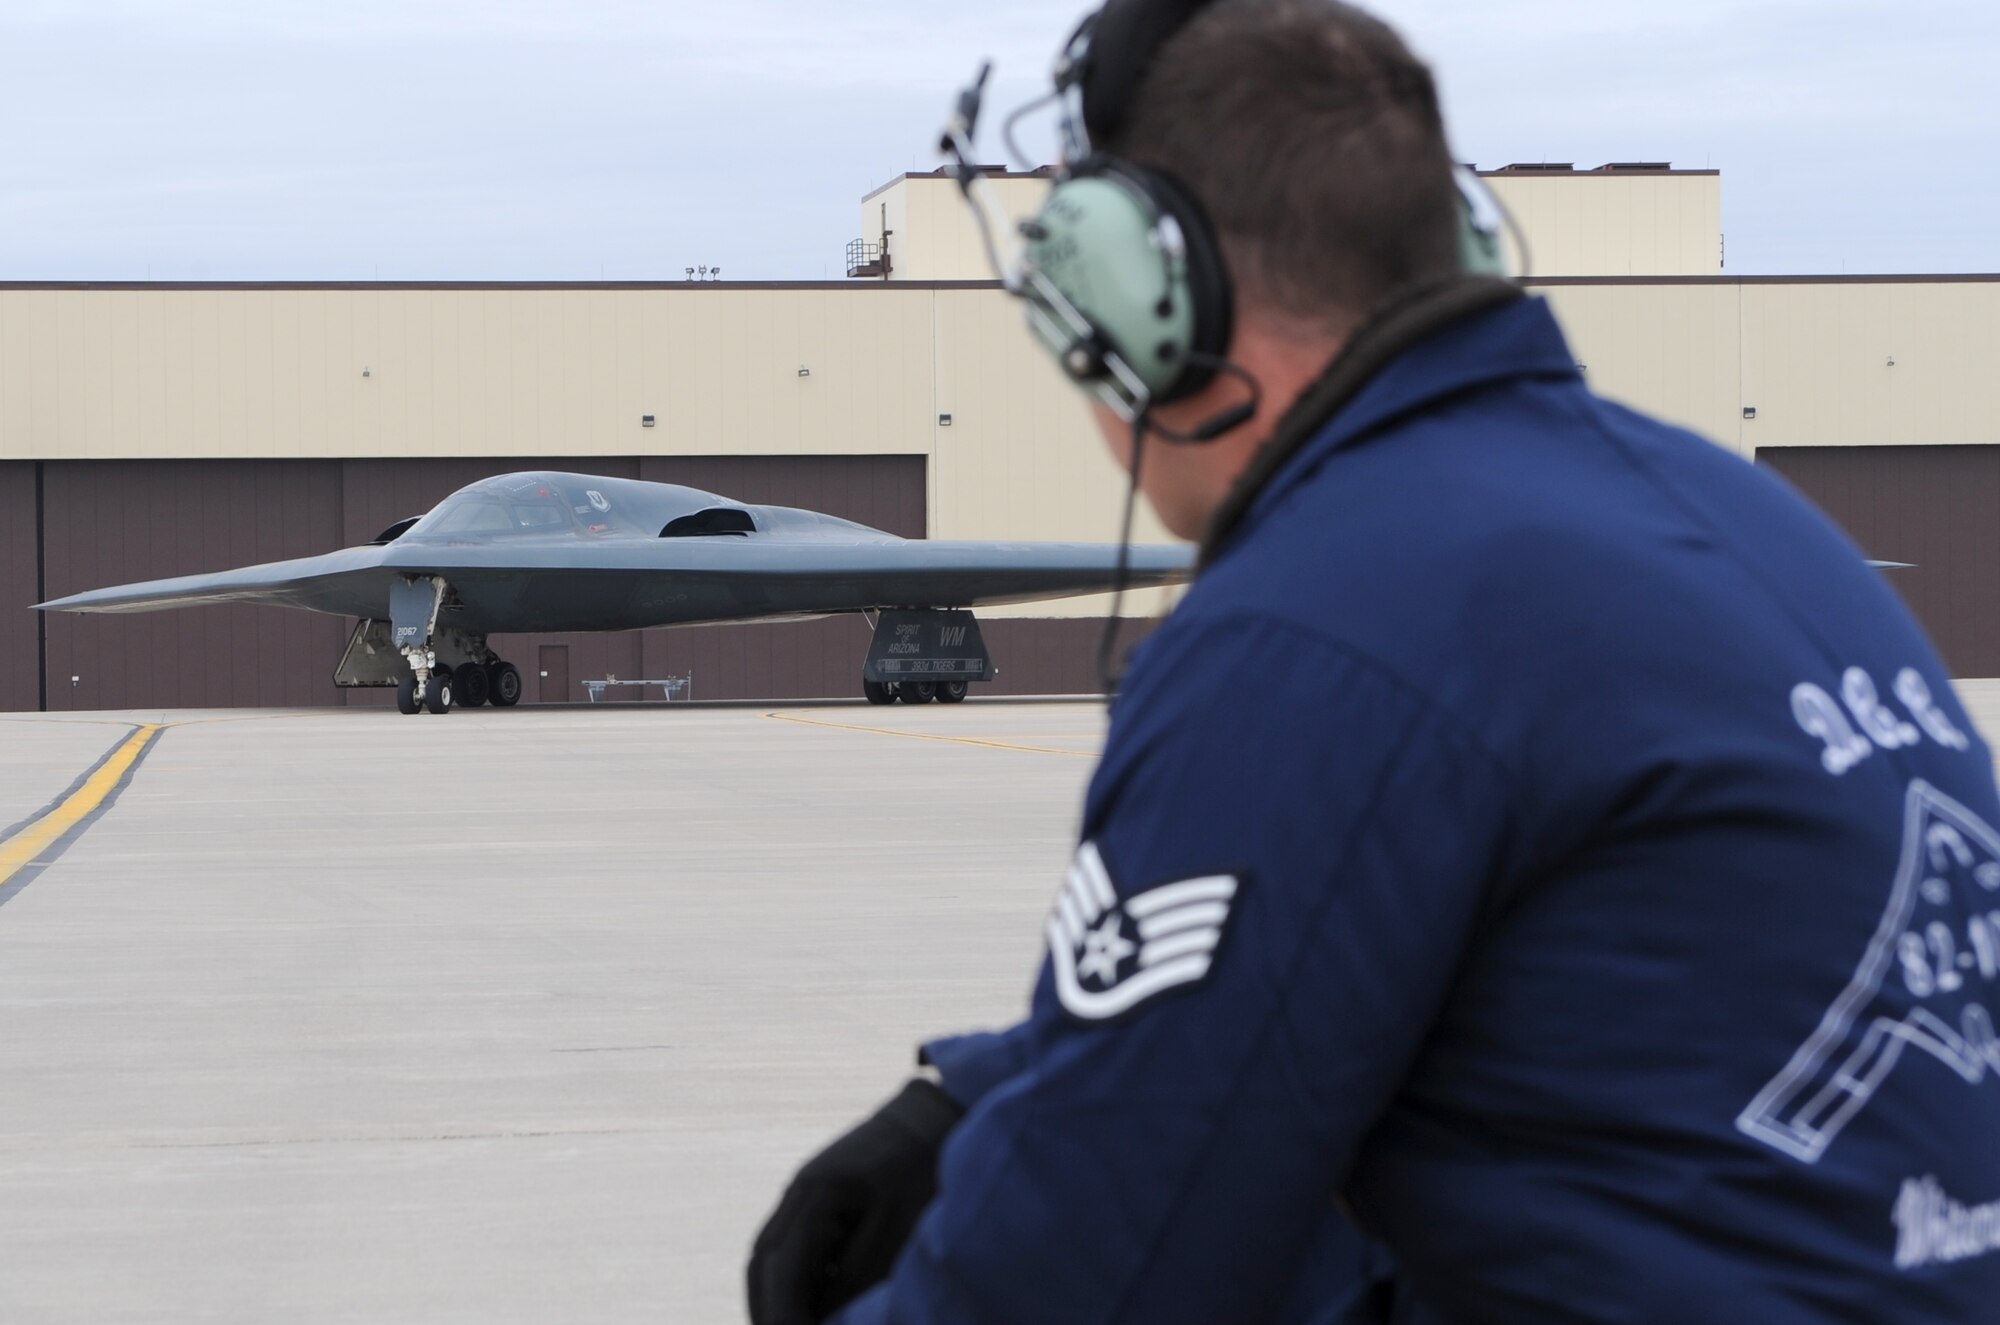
[
  {"x": 944, "y": 420},
  {"x": 805, "y": 371},
  {"x": 1892, "y": 361},
  {"x": 645, "y": 420},
  {"x": 366, "y": 373},
  {"x": 1749, "y": 411}
]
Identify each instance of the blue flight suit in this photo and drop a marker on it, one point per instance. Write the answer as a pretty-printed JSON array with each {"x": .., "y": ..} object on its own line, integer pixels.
[{"x": 1539, "y": 837}]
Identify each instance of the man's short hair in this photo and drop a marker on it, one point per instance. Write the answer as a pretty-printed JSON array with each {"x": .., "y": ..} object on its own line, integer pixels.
[{"x": 1313, "y": 138}]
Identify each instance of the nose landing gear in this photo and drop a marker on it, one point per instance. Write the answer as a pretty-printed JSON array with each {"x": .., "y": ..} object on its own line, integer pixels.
[{"x": 432, "y": 668}]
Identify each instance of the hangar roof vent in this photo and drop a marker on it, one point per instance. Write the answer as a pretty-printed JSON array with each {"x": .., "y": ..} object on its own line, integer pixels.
[
  {"x": 1615, "y": 167},
  {"x": 1539, "y": 166}
]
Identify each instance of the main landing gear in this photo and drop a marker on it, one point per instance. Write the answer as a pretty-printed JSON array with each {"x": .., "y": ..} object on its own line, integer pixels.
[
  {"x": 433, "y": 685},
  {"x": 468, "y": 685},
  {"x": 914, "y": 692},
  {"x": 491, "y": 682},
  {"x": 931, "y": 654},
  {"x": 503, "y": 683}
]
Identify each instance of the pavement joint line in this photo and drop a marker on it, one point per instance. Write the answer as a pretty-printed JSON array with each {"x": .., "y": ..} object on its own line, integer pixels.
[
  {"x": 397, "y": 1138},
  {"x": 52, "y": 720},
  {"x": 61, "y": 720},
  {"x": 33, "y": 845},
  {"x": 927, "y": 736}
]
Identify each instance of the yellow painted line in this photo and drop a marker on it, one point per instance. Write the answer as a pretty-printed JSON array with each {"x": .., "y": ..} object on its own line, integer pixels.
[
  {"x": 25, "y": 847},
  {"x": 924, "y": 736}
]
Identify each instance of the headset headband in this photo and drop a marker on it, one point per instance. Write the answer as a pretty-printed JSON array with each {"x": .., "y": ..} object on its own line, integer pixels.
[{"x": 1109, "y": 53}]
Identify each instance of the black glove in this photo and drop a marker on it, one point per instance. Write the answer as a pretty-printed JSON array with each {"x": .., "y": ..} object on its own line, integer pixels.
[{"x": 848, "y": 1212}]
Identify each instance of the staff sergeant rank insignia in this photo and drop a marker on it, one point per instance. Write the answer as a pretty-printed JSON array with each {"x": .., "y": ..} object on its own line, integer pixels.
[{"x": 1110, "y": 956}]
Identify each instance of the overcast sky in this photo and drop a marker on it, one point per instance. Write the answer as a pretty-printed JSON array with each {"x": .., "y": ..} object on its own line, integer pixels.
[{"x": 628, "y": 139}]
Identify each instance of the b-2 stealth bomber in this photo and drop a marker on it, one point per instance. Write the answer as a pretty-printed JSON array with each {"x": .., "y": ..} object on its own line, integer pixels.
[{"x": 544, "y": 551}]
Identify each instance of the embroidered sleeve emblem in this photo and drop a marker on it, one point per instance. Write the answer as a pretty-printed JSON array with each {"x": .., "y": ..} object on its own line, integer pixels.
[
  {"x": 1925, "y": 983},
  {"x": 1110, "y": 956}
]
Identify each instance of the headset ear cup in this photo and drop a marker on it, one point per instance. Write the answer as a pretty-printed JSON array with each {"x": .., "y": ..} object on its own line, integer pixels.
[{"x": 1207, "y": 282}]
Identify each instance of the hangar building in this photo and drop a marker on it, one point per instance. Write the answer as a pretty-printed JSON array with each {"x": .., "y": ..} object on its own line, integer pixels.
[{"x": 163, "y": 429}]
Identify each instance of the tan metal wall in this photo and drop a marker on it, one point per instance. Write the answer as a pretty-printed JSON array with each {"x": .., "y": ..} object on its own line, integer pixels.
[
  {"x": 210, "y": 373},
  {"x": 934, "y": 237},
  {"x": 1673, "y": 350},
  {"x": 1823, "y": 362},
  {"x": 169, "y": 373},
  {"x": 165, "y": 373},
  {"x": 1583, "y": 223},
  {"x": 338, "y": 373},
  {"x": 1592, "y": 223}
]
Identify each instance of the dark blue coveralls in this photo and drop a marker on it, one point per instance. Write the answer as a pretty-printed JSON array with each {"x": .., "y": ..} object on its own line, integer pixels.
[{"x": 1539, "y": 839}]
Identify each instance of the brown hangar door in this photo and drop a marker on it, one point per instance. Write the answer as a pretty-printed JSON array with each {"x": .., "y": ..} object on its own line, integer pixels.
[
  {"x": 555, "y": 674},
  {"x": 1931, "y": 506}
]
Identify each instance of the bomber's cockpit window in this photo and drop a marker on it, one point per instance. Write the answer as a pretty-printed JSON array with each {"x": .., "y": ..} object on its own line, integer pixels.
[
  {"x": 538, "y": 516},
  {"x": 538, "y": 507},
  {"x": 472, "y": 517},
  {"x": 531, "y": 504}
]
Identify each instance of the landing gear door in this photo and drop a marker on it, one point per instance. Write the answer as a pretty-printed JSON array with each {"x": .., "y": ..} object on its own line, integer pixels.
[
  {"x": 413, "y": 610},
  {"x": 369, "y": 659},
  {"x": 937, "y": 645}
]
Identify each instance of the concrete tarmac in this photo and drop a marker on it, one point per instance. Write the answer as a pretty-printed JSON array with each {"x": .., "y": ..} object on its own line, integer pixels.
[{"x": 500, "y": 1016}]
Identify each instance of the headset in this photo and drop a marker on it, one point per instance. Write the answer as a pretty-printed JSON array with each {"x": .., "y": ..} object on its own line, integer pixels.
[
  {"x": 1120, "y": 269},
  {"x": 1123, "y": 279}
]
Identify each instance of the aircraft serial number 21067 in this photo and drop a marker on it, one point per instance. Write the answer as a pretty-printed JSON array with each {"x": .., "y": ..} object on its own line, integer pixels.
[{"x": 540, "y": 551}]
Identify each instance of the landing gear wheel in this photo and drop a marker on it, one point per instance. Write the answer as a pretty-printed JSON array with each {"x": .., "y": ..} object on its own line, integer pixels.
[
  {"x": 437, "y": 694},
  {"x": 504, "y": 684},
  {"x": 951, "y": 692},
  {"x": 917, "y": 692},
  {"x": 469, "y": 686},
  {"x": 406, "y": 696},
  {"x": 879, "y": 692}
]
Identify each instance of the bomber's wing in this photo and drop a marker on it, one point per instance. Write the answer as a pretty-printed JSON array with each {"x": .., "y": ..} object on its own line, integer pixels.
[
  {"x": 325, "y": 583},
  {"x": 689, "y": 581},
  {"x": 938, "y": 573},
  {"x": 622, "y": 584}
]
